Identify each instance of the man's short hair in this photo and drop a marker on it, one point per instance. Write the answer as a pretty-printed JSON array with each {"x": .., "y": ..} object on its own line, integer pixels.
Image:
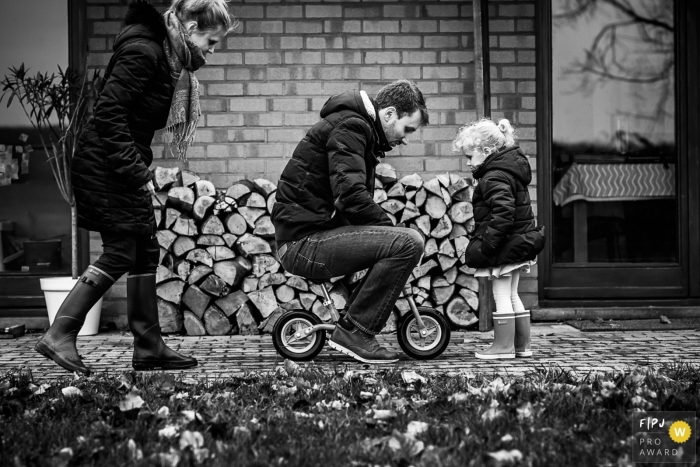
[{"x": 405, "y": 96}]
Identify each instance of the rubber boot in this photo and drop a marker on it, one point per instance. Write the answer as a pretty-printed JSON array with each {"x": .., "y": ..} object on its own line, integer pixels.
[
  {"x": 503, "y": 336},
  {"x": 58, "y": 343},
  {"x": 150, "y": 352},
  {"x": 522, "y": 334}
]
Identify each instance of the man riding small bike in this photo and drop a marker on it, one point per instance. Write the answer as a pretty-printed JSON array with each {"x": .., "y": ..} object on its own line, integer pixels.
[{"x": 326, "y": 221}]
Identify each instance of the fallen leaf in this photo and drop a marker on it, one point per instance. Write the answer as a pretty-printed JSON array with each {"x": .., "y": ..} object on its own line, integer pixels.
[
  {"x": 221, "y": 446},
  {"x": 190, "y": 415},
  {"x": 164, "y": 382},
  {"x": 166, "y": 459},
  {"x": 41, "y": 389},
  {"x": 415, "y": 428},
  {"x": 491, "y": 414},
  {"x": 524, "y": 411},
  {"x": 384, "y": 414},
  {"x": 170, "y": 431},
  {"x": 134, "y": 451},
  {"x": 458, "y": 397},
  {"x": 131, "y": 401},
  {"x": 70, "y": 391},
  {"x": 284, "y": 390},
  {"x": 338, "y": 405},
  {"x": 408, "y": 446},
  {"x": 124, "y": 382},
  {"x": 200, "y": 454},
  {"x": 193, "y": 439},
  {"x": 664, "y": 319},
  {"x": 411, "y": 377},
  {"x": 506, "y": 456},
  {"x": 417, "y": 402},
  {"x": 368, "y": 444},
  {"x": 399, "y": 404},
  {"x": 301, "y": 384},
  {"x": 163, "y": 412},
  {"x": 291, "y": 367}
]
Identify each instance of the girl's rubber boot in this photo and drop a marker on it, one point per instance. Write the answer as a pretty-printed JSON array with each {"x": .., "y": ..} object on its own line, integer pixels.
[
  {"x": 150, "y": 352},
  {"x": 503, "y": 337},
  {"x": 522, "y": 334},
  {"x": 58, "y": 344}
]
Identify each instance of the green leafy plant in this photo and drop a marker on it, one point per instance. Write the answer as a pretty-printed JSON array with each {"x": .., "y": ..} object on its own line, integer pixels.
[{"x": 57, "y": 105}]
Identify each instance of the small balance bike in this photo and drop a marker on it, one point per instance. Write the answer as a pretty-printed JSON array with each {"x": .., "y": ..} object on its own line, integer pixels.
[{"x": 423, "y": 333}]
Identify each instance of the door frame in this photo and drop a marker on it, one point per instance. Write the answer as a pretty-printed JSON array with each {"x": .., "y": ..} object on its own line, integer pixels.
[{"x": 688, "y": 167}]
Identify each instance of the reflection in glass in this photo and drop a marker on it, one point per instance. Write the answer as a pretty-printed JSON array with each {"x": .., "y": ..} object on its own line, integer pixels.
[{"x": 614, "y": 146}]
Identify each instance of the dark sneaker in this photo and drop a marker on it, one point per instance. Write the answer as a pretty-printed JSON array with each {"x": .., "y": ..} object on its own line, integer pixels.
[{"x": 361, "y": 346}]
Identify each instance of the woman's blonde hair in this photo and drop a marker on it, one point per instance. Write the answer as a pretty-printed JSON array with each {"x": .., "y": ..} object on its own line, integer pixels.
[
  {"x": 485, "y": 135},
  {"x": 210, "y": 15}
]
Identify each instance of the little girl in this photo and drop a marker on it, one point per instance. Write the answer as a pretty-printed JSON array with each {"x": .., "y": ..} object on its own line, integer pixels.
[{"x": 506, "y": 238}]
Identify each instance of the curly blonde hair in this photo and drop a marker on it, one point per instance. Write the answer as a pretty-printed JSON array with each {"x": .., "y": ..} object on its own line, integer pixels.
[{"x": 484, "y": 135}]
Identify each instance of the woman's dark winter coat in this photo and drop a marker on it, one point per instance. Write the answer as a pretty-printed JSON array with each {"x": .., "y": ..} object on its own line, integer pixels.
[
  {"x": 113, "y": 156},
  {"x": 329, "y": 181},
  {"x": 505, "y": 229}
]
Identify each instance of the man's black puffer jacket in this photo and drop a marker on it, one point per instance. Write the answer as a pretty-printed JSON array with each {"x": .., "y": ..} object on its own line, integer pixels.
[
  {"x": 329, "y": 181},
  {"x": 113, "y": 155},
  {"x": 505, "y": 228}
]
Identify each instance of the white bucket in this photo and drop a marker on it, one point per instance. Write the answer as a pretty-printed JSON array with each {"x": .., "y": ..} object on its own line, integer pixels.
[{"x": 56, "y": 290}]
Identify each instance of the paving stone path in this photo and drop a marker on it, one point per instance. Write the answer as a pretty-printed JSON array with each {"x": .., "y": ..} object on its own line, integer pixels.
[{"x": 555, "y": 346}]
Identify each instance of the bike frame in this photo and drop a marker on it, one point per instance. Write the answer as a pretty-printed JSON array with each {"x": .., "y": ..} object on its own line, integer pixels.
[{"x": 335, "y": 316}]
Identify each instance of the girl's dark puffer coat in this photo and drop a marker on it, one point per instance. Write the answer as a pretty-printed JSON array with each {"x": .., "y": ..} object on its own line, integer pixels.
[
  {"x": 505, "y": 229},
  {"x": 113, "y": 154}
]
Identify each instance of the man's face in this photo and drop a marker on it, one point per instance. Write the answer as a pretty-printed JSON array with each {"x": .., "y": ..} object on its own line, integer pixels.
[{"x": 397, "y": 130}]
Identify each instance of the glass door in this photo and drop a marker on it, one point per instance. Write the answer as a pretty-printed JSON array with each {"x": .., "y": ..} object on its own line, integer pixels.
[{"x": 616, "y": 210}]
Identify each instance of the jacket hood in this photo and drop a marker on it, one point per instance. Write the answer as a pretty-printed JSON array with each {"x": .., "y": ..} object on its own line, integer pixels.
[
  {"x": 142, "y": 21},
  {"x": 358, "y": 102},
  {"x": 511, "y": 160}
]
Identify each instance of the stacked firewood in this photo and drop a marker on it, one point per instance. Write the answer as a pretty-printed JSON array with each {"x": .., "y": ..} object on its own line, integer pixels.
[
  {"x": 440, "y": 210},
  {"x": 218, "y": 271}
]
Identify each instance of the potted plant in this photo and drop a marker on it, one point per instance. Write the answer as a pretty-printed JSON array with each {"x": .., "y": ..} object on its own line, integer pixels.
[{"x": 57, "y": 106}]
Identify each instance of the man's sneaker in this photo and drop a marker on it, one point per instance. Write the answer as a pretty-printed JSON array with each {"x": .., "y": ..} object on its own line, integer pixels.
[{"x": 361, "y": 346}]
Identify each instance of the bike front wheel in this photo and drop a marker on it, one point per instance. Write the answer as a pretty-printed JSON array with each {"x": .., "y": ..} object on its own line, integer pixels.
[{"x": 291, "y": 339}]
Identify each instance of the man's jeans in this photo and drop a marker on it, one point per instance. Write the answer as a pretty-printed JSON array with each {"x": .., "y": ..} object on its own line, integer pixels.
[
  {"x": 390, "y": 254},
  {"x": 135, "y": 254}
]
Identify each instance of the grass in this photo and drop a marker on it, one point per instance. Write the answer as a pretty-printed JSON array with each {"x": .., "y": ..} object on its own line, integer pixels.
[{"x": 305, "y": 416}]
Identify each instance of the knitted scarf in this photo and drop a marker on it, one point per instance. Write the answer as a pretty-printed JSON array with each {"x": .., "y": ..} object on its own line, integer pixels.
[{"x": 184, "y": 57}]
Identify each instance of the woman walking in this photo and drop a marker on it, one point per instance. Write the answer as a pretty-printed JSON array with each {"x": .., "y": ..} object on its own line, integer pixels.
[{"x": 149, "y": 84}]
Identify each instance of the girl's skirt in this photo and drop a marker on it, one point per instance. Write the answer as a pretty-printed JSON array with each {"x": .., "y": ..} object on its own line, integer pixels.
[{"x": 505, "y": 270}]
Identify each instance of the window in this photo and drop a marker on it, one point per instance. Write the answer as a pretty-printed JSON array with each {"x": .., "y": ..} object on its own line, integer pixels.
[
  {"x": 34, "y": 219},
  {"x": 614, "y": 151}
]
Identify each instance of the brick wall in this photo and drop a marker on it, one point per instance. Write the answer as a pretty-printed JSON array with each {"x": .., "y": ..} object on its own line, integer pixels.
[{"x": 264, "y": 87}]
